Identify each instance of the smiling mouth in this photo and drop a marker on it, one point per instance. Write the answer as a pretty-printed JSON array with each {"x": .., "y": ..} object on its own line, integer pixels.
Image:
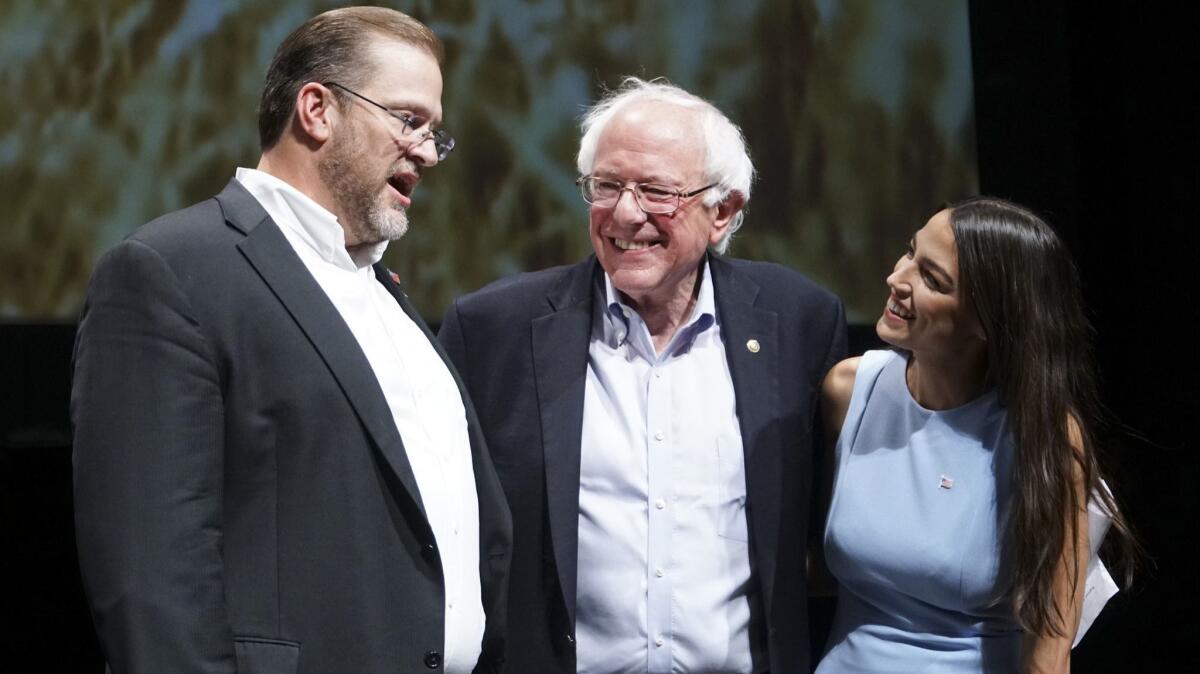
[
  {"x": 633, "y": 245},
  {"x": 894, "y": 307}
]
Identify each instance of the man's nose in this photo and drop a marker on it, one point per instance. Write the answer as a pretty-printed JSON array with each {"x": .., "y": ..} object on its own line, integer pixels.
[
  {"x": 423, "y": 152},
  {"x": 628, "y": 209}
]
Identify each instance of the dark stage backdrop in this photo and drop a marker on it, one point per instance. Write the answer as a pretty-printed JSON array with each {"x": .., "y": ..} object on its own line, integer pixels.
[
  {"x": 1087, "y": 113},
  {"x": 117, "y": 111},
  {"x": 858, "y": 114}
]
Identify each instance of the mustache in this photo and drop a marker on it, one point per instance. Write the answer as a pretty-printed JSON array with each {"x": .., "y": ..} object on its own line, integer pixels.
[{"x": 405, "y": 165}]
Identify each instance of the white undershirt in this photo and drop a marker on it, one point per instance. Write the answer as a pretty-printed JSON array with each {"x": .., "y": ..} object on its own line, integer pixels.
[{"x": 424, "y": 400}]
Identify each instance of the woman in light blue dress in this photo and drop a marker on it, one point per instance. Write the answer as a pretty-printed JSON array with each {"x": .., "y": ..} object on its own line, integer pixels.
[{"x": 957, "y": 528}]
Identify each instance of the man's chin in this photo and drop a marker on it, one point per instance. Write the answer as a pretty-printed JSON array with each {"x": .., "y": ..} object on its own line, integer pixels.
[
  {"x": 394, "y": 229},
  {"x": 637, "y": 284},
  {"x": 390, "y": 226},
  {"x": 374, "y": 235},
  {"x": 393, "y": 222}
]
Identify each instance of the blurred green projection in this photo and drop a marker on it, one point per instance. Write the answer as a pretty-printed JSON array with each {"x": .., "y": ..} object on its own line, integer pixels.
[{"x": 858, "y": 114}]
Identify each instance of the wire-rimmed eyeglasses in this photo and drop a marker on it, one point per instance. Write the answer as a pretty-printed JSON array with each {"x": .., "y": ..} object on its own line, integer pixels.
[
  {"x": 442, "y": 141},
  {"x": 650, "y": 197}
]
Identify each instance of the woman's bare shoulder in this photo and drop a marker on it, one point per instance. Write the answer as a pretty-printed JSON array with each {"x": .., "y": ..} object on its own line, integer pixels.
[{"x": 839, "y": 383}]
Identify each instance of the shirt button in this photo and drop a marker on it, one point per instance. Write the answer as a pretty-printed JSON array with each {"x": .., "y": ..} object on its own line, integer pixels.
[
  {"x": 658, "y": 435},
  {"x": 660, "y": 573},
  {"x": 657, "y": 374},
  {"x": 429, "y": 552},
  {"x": 660, "y": 504},
  {"x": 659, "y": 641}
]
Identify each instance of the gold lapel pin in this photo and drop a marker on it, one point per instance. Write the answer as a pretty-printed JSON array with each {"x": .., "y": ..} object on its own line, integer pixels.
[{"x": 752, "y": 345}]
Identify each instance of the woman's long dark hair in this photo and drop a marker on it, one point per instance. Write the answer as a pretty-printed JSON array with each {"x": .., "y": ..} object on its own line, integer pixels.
[{"x": 1026, "y": 291}]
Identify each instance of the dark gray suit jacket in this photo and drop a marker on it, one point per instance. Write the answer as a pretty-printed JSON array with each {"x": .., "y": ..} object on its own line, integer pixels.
[
  {"x": 242, "y": 495},
  {"x": 521, "y": 345}
]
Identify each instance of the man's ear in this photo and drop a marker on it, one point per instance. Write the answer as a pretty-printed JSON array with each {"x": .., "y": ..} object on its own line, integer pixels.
[
  {"x": 727, "y": 209},
  {"x": 316, "y": 113}
]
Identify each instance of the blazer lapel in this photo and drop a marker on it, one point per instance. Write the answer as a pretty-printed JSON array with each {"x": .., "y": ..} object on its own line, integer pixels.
[
  {"x": 487, "y": 482},
  {"x": 393, "y": 287},
  {"x": 269, "y": 252},
  {"x": 560, "y": 351},
  {"x": 752, "y": 349},
  {"x": 495, "y": 523}
]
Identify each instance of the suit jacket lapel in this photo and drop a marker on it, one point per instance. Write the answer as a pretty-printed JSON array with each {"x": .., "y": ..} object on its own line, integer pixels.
[
  {"x": 495, "y": 523},
  {"x": 560, "y": 351},
  {"x": 754, "y": 367},
  {"x": 487, "y": 482},
  {"x": 269, "y": 252},
  {"x": 393, "y": 287}
]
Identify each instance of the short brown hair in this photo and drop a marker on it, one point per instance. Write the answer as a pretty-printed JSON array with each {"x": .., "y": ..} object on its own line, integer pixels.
[{"x": 331, "y": 47}]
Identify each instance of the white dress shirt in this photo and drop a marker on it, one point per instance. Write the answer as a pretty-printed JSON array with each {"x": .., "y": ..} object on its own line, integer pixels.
[
  {"x": 424, "y": 400},
  {"x": 664, "y": 575}
]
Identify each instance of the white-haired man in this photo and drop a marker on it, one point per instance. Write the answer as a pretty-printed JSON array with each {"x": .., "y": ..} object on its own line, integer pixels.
[{"x": 650, "y": 412}]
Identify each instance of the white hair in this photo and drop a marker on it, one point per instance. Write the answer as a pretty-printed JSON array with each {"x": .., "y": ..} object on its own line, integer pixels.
[{"x": 726, "y": 160}]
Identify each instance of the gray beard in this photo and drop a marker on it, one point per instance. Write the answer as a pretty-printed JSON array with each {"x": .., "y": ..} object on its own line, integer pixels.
[{"x": 369, "y": 217}]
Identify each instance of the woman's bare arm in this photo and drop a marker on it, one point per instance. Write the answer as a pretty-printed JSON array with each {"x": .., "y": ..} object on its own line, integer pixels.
[
  {"x": 1051, "y": 653},
  {"x": 835, "y": 400}
]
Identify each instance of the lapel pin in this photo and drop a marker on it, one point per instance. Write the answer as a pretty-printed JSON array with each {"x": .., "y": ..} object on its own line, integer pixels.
[
  {"x": 395, "y": 277},
  {"x": 946, "y": 482},
  {"x": 752, "y": 346}
]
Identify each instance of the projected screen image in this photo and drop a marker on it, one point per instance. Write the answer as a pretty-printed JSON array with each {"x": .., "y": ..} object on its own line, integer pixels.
[{"x": 858, "y": 116}]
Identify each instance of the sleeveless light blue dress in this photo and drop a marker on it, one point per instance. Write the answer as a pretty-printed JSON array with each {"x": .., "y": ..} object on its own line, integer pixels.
[{"x": 920, "y": 503}]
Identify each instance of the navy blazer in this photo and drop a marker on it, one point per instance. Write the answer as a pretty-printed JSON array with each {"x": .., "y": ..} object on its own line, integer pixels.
[
  {"x": 521, "y": 345},
  {"x": 243, "y": 498}
]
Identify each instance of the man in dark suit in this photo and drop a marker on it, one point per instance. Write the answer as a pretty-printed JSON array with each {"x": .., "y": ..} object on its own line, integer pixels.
[
  {"x": 650, "y": 412},
  {"x": 276, "y": 468}
]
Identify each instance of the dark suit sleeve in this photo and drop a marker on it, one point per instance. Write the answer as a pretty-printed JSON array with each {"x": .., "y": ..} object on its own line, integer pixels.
[
  {"x": 451, "y": 336},
  {"x": 818, "y": 508},
  {"x": 146, "y": 406},
  {"x": 837, "y": 342}
]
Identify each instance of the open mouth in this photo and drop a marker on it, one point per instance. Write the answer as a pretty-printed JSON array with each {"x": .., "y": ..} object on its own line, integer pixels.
[
  {"x": 633, "y": 245},
  {"x": 404, "y": 183},
  {"x": 894, "y": 307}
]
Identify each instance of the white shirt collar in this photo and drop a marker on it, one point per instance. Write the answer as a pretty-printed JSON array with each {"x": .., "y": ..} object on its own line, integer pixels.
[
  {"x": 309, "y": 221},
  {"x": 620, "y": 318}
]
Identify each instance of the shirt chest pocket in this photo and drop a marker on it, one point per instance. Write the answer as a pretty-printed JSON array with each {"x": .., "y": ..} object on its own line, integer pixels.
[{"x": 731, "y": 489}]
